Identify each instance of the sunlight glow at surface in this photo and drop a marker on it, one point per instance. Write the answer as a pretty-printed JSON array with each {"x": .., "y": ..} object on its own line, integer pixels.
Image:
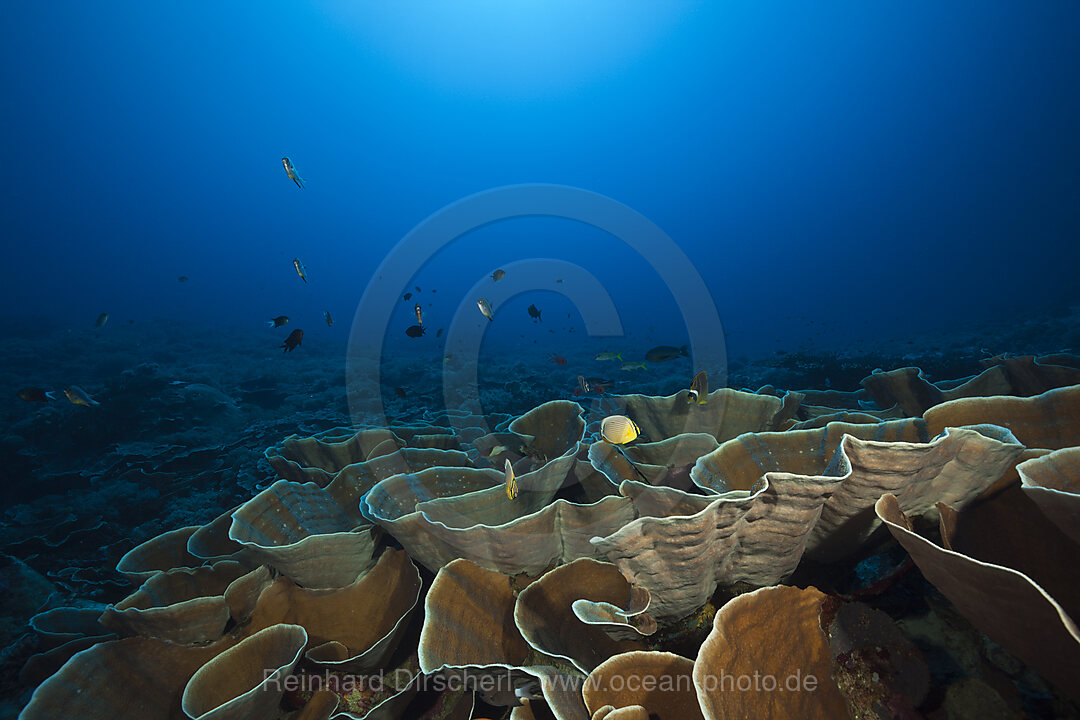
[{"x": 519, "y": 48}]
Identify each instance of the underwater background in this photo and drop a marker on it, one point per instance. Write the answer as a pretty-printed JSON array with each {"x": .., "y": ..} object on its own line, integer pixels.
[{"x": 809, "y": 193}]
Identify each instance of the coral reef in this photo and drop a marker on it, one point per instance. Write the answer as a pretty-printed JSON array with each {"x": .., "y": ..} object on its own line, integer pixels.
[{"x": 753, "y": 539}]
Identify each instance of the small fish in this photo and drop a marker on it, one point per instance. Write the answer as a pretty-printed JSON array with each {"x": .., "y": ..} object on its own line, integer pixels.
[
  {"x": 406, "y": 296},
  {"x": 619, "y": 429},
  {"x": 279, "y": 321},
  {"x": 558, "y": 359},
  {"x": 485, "y": 309},
  {"x": 419, "y": 314},
  {"x": 559, "y": 280},
  {"x": 699, "y": 389},
  {"x": 599, "y": 384},
  {"x": 329, "y": 320},
  {"x": 300, "y": 269},
  {"x": 101, "y": 320},
  {"x": 182, "y": 278},
  {"x": 400, "y": 392},
  {"x": 415, "y": 331},
  {"x": 291, "y": 172},
  {"x": 498, "y": 275},
  {"x": 293, "y": 341},
  {"x": 438, "y": 333},
  {"x": 416, "y": 288},
  {"x": 511, "y": 482},
  {"x": 497, "y": 450},
  {"x": 663, "y": 353},
  {"x": 632, "y": 464},
  {"x": 632, "y": 366},
  {"x": 34, "y": 394},
  {"x": 534, "y": 313},
  {"x": 78, "y": 396},
  {"x": 604, "y": 357},
  {"x": 583, "y": 384}
]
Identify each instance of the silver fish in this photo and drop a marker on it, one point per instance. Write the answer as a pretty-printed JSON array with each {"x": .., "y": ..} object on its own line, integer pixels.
[{"x": 291, "y": 172}]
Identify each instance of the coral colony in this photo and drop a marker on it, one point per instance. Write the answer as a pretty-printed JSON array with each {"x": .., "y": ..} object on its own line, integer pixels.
[{"x": 742, "y": 555}]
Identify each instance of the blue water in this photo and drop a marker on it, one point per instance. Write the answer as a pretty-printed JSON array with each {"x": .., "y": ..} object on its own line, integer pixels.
[
  {"x": 878, "y": 169},
  {"x": 798, "y": 193}
]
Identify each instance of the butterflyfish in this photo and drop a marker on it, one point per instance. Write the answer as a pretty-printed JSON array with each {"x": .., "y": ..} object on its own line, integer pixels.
[
  {"x": 619, "y": 429},
  {"x": 511, "y": 482},
  {"x": 699, "y": 389}
]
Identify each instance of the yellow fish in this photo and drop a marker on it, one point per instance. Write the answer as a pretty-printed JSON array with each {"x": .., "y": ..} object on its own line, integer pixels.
[
  {"x": 602, "y": 357},
  {"x": 633, "y": 366},
  {"x": 511, "y": 482},
  {"x": 699, "y": 389},
  {"x": 300, "y": 269},
  {"x": 497, "y": 450},
  {"x": 291, "y": 172},
  {"x": 419, "y": 314},
  {"x": 329, "y": 320},
  {"x": 498, "y": 275},
  {"x": 78, "y": 396},
  {"x": 619, "y": 429}
]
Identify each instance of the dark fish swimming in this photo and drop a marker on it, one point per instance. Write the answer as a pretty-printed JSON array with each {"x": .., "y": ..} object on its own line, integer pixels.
[
  {"x": 400, "y": 392},
  {"x": 439, "y": 333},
  {"x": 329, "y": 320},
  {"x": 101, "y": 320},
  {"x": 599, "y": 384},
  {"x": 663, "y": 353},
  {"x": 293, "y": 341},
  {"x": 291, "y": 172},
  {"x": 406, "y": 296},
  {"x": 36, "y": 394},
  {"x": 279, "y": 321},
  {"x": 534, "y": 313},
  {"x": 182, "y": 278},
  {"x": 415, "y": 331},
  {"x": 498, "y": 275}
]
